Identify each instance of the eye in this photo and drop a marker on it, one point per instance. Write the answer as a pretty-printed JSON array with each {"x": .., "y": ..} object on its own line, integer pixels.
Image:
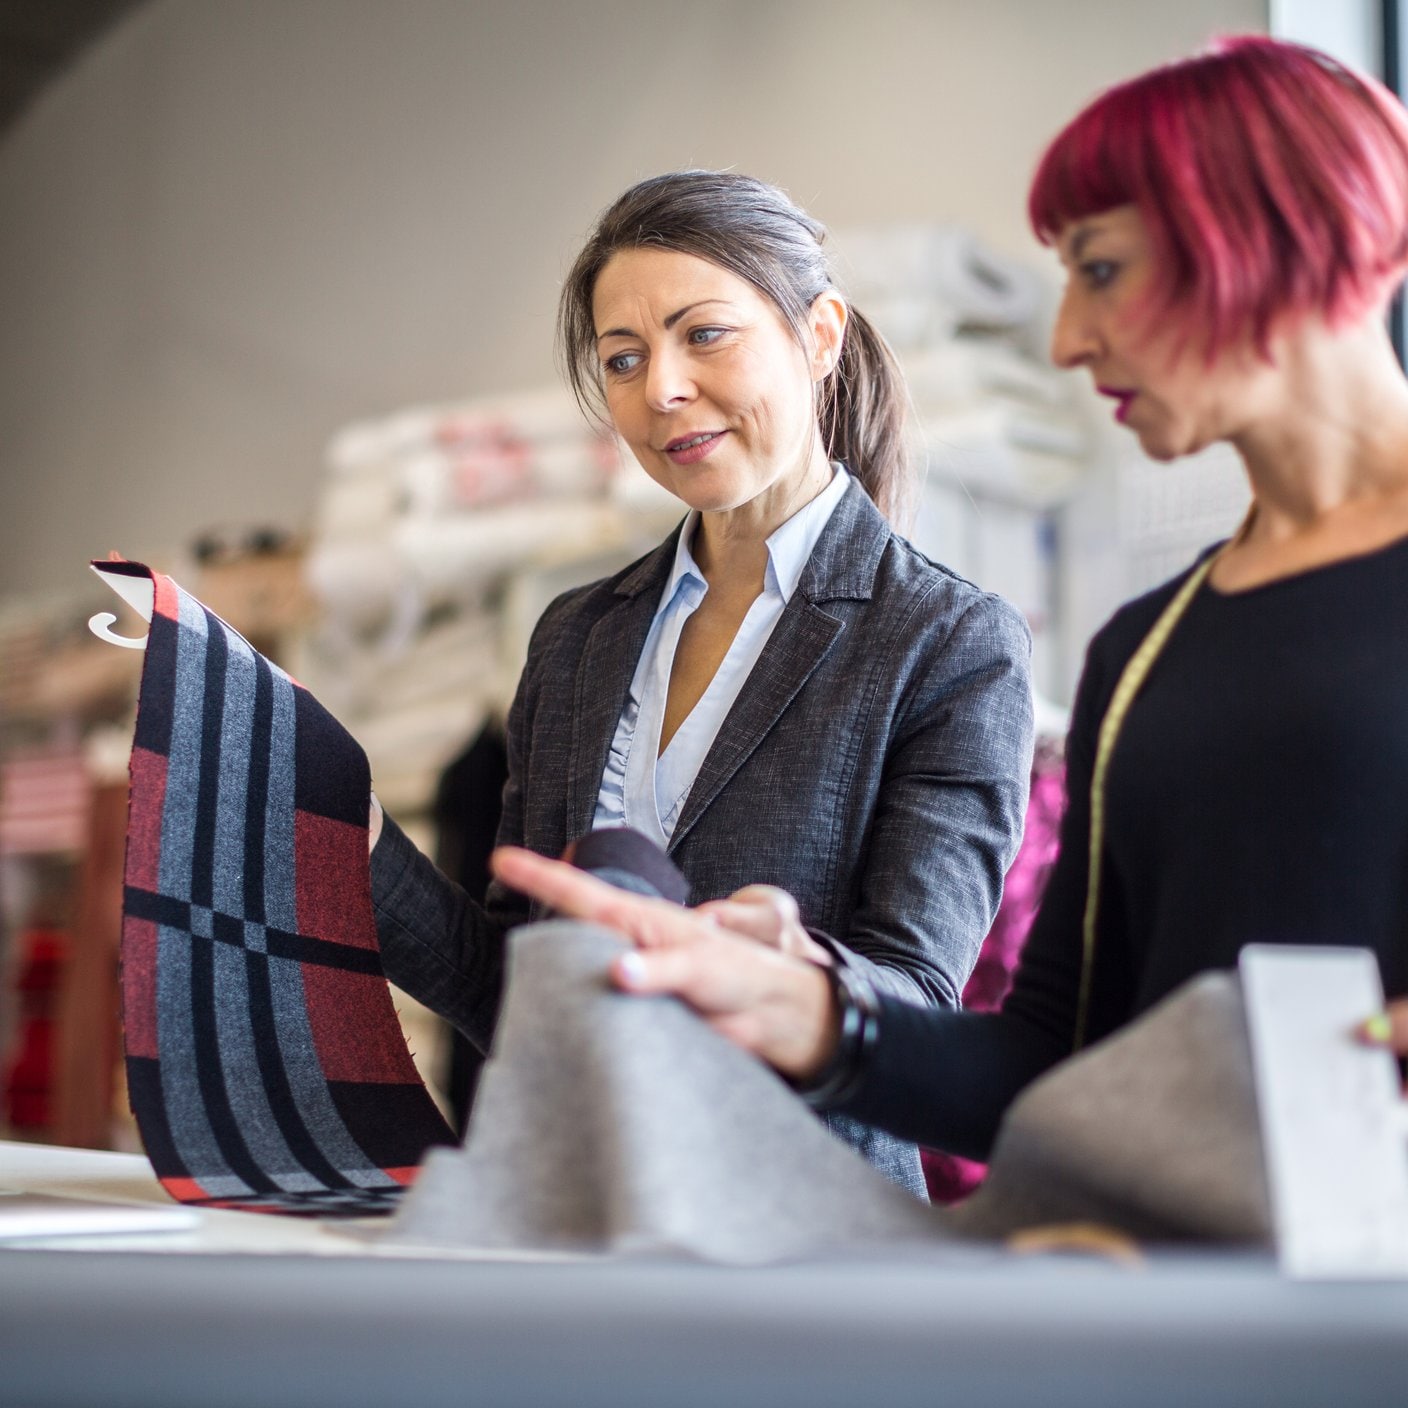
[
  {"x": 621, "y": 363},
  {"x": 702, "y": 337},
  {"x": 1099, "y": 273}
]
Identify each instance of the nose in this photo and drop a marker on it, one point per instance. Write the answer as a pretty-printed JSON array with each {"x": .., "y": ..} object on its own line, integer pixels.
[
  {"x": 668, "y": 382},
  {"x": 1074, "y": 341}
]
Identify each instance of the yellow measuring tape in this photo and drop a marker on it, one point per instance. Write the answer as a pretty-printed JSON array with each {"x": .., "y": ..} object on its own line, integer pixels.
[{"x": 1130, "y": 681}]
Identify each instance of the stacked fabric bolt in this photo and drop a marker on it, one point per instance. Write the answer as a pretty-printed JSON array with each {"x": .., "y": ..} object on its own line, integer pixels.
[
  {"x": 429, "y": 505},
  {"x": 997, "y": 431},
  {"x": 967, "y": 326},
  {"x": 424, "y": 518}
]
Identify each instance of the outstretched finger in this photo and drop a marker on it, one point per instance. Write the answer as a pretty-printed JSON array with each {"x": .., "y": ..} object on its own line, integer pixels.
[{"x": 651, "y": 923}]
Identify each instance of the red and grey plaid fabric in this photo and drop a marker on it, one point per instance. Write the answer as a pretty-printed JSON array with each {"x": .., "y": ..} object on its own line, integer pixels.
[{"x": 265, "y": 1062}]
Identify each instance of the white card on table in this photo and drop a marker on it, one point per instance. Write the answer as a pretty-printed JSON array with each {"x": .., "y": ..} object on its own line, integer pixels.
[{"x": 1332, "y": 1115}]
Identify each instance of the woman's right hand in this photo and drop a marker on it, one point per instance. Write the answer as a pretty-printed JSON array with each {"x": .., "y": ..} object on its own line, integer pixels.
[{"x": 775, "y": 1005}]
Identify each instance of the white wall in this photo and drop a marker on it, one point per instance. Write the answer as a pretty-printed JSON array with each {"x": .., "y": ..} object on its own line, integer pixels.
[
  {"x": 1351, "y": 30},
  {"x": 236, "y": 226}
]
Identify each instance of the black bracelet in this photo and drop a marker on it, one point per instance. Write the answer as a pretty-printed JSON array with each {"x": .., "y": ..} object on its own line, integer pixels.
[{"x": 859, "y": 1013}]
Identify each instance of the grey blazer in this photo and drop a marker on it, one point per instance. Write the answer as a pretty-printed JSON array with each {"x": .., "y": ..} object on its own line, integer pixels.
[{"x": 875, "y": 764}]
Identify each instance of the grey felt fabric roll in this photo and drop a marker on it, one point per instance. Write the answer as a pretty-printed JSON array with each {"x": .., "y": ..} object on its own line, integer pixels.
[
  {"x": 1153, "y": 1131},
  {"x": 612, "y": 1123},
  {"x": 615, "y": 1124}
]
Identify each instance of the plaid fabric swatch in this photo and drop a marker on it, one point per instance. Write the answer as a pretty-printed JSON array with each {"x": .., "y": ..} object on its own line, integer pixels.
[{"x": 265, "y": 1063}]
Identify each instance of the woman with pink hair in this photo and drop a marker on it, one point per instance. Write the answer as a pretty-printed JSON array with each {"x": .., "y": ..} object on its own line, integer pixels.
[{"x": 1232, "y": 228}]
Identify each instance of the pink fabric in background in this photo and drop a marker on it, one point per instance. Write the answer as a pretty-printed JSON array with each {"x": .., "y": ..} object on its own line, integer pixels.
[{"x": 950, "y": 1178}]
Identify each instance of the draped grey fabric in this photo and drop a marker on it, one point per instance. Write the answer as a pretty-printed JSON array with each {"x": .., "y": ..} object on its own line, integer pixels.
[
  {"x": 613, "y": 1123},
  {"x": 1153, "y": 1131},
  {"x": 609, "y": 1123}
]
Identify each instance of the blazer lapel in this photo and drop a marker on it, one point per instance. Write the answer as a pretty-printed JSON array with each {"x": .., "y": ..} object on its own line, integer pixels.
[
  {"x": 842, "y": 566},
  {"x": 604, "y": 676},
  {"x": 798, "y": 644}
]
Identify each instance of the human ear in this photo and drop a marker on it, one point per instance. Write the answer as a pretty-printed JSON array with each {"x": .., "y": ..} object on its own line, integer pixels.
[{"x": 826, "y": 321}]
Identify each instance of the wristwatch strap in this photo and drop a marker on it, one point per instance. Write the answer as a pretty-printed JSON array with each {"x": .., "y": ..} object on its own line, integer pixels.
[{"x": 858, "y": 1011}]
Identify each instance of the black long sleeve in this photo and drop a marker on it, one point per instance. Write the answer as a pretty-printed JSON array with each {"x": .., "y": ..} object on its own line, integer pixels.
[{"x": 1256, "y": 795}]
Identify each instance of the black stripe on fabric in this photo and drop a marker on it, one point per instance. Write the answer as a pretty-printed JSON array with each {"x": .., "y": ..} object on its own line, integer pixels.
[
  {"x": 393, "y": 1124},
  {"x": 331, "y": 776},
  {"x": 149, "y": 1105},
  {"x": 321, "y": 954},
  {"x": 160, "y": 909},
  {"x": 210, "y": 1073},
  {"x": 302, "y": 1144},
  {"x": 302, "y": 948},
  {"x": 207, "y": 787},
  {"x": 257, "y": 798},
  {"x": 158, "y": 693},
  {"x": 320, "y": 1203},
  {"x": 226, "y": 929}
]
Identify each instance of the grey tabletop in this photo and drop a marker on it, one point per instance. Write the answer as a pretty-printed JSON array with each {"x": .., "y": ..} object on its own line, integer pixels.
[{"x": 952, "y": 1325}]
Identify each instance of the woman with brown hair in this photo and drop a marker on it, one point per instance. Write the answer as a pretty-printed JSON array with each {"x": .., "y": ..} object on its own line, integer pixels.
[{"x": 785, "y": 694}]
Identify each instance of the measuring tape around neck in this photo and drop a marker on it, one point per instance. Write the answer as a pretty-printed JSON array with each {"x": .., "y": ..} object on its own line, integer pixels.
[{"x": 1131, "y": 680}]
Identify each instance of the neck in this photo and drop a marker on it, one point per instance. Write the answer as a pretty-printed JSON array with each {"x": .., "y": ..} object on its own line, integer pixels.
[
  {"x": 1337, "y": 437},
  {"x": 730, "y": 545}
]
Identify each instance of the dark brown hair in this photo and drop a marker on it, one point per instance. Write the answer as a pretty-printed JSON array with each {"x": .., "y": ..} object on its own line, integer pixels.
[{"x": 754, "y": 231}]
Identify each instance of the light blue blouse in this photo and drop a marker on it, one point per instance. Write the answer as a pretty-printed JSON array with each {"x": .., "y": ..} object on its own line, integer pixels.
[{"x": 642, "y": 787}]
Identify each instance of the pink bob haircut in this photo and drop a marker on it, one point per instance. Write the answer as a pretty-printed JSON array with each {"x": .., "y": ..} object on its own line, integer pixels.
[{"x": 1273, "y": 179}]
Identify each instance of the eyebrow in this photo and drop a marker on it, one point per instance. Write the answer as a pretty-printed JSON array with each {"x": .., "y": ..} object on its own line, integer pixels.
[
  {"x": 1082, "y": 237},
  {"x": 669, "y": 321}
]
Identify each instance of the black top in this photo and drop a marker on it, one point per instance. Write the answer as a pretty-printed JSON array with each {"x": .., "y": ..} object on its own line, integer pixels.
[{"x": 1258, "y": 793}]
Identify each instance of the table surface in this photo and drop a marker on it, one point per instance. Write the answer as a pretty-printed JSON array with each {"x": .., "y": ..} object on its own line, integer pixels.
[{"x": 251, "y": 1309}]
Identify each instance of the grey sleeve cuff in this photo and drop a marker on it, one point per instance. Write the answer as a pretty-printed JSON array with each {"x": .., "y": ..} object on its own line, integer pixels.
[
  {"x": 437, "y": 944},
  {"x": 882, "y": 978}
]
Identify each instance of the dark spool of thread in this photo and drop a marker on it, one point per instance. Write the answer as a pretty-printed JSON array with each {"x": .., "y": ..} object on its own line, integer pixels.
[{"x": 630, "y": 861}]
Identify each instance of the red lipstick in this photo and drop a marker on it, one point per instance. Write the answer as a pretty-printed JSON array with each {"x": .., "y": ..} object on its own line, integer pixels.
[{"x": 1123, "y": 397}]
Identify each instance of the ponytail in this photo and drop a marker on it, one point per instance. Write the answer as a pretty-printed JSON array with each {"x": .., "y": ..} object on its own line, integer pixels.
[{"x": 862, "y": 415}]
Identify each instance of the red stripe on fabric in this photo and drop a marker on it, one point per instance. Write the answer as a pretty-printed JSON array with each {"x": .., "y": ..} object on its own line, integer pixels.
[
  {"x": 184, "y": 1190},
  {"x": 404, "y": 1176},
  {"x": 144, "y": 809},
  {"x": 139, "y": 946},
  {"x": 355, "y": 1030},
  {"x": 167, "y": 600},
  {"x": 333, "y": 889}
]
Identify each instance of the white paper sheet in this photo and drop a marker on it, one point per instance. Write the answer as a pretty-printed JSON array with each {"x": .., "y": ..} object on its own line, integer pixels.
[{"x": 1331, "y": 1113}]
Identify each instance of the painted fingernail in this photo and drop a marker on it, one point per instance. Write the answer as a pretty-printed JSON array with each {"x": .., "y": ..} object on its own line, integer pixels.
[
  {"x": 630, "y": 970},
  {"x": 1378, "y": 1027}
]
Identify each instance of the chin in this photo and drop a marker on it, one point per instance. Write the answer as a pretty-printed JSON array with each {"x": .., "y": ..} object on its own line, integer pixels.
[
  {"x": 713, "y": 502},
  {"x": 1166, "y": 447},
  {"x": 709, "y": 492},
  {"x": 1160, "y": 453}
]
